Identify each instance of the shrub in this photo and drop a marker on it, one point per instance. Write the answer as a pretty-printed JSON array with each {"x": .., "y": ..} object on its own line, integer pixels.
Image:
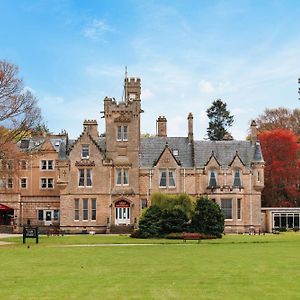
[
  {"x": 150, "y": 222},
  {"x": 174, "y": 220},
  {"x": 207, "y": 218}
]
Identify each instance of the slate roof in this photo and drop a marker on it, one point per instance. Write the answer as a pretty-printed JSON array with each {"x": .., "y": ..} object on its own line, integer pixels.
[
  {"x": 35, "y": 144},
  {"x": 152, "y": 147},
  {"x": 199, "y": 154}
]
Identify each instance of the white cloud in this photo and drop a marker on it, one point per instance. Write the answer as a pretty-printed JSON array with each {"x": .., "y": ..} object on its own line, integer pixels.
[
  {"x": 209, "y": 87},
  {"x": 96, "y": 29},
  {"x": 146, "y": 94}
]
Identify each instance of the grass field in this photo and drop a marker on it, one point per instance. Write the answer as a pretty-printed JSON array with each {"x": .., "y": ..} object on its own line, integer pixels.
[{"x": 234, "y": 267}]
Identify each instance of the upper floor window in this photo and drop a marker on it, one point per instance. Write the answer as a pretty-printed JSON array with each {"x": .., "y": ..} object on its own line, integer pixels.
[
  {"x": 47, "y": 164},
  {"x": 47, "y": 183},
  {"x": 237, "y": 179},
  {"x": 212, "y": 178},
  {"x": 24, "y": 164},
  {"x": 122, "y": 133},
  {"x": 23, "y": 183},
  {"x": 85, "y": 177},
  {"x": 85, "y": 152},
  {"x": 167, "y": 178},
  {"x": 6, "y": 183},
  {"x": 122, "y": 176}
]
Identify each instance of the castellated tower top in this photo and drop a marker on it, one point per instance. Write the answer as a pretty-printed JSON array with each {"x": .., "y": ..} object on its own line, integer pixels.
[
  {"x": 91, "y": 126},
  {"x": 132, "y": 86}
]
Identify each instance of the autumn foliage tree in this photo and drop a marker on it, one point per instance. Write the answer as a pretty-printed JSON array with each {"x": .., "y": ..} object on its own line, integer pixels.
[{"x": 282, "y": 168}]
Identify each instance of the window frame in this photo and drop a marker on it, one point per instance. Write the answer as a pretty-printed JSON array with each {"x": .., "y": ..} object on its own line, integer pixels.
[
  {"x": 21, "y": 184},
  {"x": 237, "y": 178},
  {"x": 212, "y": 180},
  {"x": 85, "y": 178},
  {"x": 226, "y": 209},
  {"x": 76, "y": 210},
  {"x": 46, "y": 183},
  {"x": 122, "y": 175},
  {"x": 122, "y": 133},
  {"x": 85, "y": 151},
  {"x": 167, "y": 178}
]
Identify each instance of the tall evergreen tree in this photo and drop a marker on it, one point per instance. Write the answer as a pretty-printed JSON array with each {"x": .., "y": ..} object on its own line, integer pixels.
[{"x": 219, "y": 120}]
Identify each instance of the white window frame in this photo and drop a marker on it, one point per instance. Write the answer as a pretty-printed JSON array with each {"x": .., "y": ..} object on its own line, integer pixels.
[
  {"x": 122, "y": 174},
  {"x": 26, "y": 181},
  {"x": 122, "y": 133},
  {"x": 167, "y": 178},
  {"x": 85, "y": 177},
  {"x": 85, "y": 210},
  {"x": 47, "y": 181},
  {"x": 24, "y": 164},
  {"x": 85, "y": 151},
  {"x": 47, "y": 165}
]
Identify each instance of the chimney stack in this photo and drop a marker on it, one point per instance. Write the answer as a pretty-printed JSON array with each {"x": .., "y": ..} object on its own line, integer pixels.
[
  {"x": 91, "y": 126},
  {"x": 190, "y": 128},
  {"x": 253, "y": 132},
  {"x": 161, "y": 126}
]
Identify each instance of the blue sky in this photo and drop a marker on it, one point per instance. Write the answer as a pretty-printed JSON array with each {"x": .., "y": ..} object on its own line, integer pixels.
[{"x": 188, "y": 53}]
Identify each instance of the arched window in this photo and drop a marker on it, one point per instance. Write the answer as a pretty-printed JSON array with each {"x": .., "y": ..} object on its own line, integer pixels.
[
  {"x": 212, "y": 178},
  {"x": 237, "y": 178}
]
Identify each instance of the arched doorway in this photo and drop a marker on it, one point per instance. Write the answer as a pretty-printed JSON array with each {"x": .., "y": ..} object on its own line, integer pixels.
[
  {"x": 122, "y": 212},
  {"x": 6, "y": 215}
]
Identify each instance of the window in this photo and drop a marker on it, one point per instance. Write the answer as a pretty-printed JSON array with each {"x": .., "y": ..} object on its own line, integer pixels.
[
  {"x": 56, "y": 214},
  {"x": 10, "y": 164},
  {"x": 175, "y": 152},
  {"x": 47, "y": 164},
  {"x": 47, "y": 183},
  {"x": 258, "y": 176},
  {"x": 163, "y": 178},
  {"x": 24, "y": 164},
  {"x": 212, "y": 179},
  {"x": 238, "y": 209},
  {"x": 85, "y": 152},
  {"x": 93, "y": 210},
  {"x": 9, "y": 183},
  {"x": 85, "y": 177},
  {"x": 23, "y": 183},
  {"x": 167, "y": 178},
  {"x": 226, "y": 206},
  {"x": 85, "y": 209},
  {"x": 122, "y": 177},
  {"x": 237, "y": 179},
  {"x": 76, "y": 209},
  {"x": 144, "y": 203},
  {"x": 122, "y": 133},
  {"x": 40, "y": 215}
]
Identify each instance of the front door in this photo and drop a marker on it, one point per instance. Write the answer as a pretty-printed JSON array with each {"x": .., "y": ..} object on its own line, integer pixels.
[
  {"x": 48, "y": 217},
  {"x": 122, "y": 212}
]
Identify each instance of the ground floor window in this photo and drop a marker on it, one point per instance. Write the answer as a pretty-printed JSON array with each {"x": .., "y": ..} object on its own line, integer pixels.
[
  {"x": 286, "y": 220},
  {"x": 226, "y": 206},
  {"x": 85, "y": 209}
]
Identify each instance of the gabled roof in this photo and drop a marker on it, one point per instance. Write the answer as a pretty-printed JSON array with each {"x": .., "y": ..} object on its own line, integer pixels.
[
  {"x": 162, "y": 153},
  {"x": 151, "y": 148}
]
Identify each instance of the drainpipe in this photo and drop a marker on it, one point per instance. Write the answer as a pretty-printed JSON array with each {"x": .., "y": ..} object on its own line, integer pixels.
[
  {"x": 184, "y": 180},
  {"x": 110, "y": 198},
  {"x": 251, "y": 215}
]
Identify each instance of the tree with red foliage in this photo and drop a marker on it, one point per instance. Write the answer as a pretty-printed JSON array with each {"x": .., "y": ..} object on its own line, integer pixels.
[{"x": 282, "y": 169}]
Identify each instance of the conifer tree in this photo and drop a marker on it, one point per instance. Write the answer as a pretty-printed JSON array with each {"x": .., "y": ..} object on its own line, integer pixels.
[{"x": 219, "y": 120}]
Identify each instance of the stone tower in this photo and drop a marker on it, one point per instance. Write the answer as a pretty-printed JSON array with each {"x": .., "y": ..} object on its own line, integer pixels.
[{"x": 122, "y": 123}]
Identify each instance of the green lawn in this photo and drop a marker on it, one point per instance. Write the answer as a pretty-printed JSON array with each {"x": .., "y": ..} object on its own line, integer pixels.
[{"x": 234, "y": 267}]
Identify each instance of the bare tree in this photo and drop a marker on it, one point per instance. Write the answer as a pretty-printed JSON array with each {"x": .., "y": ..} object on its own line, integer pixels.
[
  {"x": 18, "y": 107},
  {"x": 279, "y": 118}
]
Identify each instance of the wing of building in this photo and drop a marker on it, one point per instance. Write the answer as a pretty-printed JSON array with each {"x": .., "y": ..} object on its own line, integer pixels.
[{"x": 102, "y": 183}]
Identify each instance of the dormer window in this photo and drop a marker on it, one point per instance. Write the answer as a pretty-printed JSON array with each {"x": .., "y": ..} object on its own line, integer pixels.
[
  {"x": 212, "y": 178},
  {"x": 122, "y": 133},
  {"x": 85, "y": 152},
  {"x": 237, "y": 179},
  {"x": 175, "y": 152}
]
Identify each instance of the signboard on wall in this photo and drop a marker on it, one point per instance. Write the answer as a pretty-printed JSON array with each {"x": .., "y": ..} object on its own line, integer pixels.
[{"x": 122, "y": 203}]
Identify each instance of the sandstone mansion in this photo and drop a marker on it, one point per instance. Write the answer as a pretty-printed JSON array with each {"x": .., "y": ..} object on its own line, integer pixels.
[{"x": 101, "y": 183}]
